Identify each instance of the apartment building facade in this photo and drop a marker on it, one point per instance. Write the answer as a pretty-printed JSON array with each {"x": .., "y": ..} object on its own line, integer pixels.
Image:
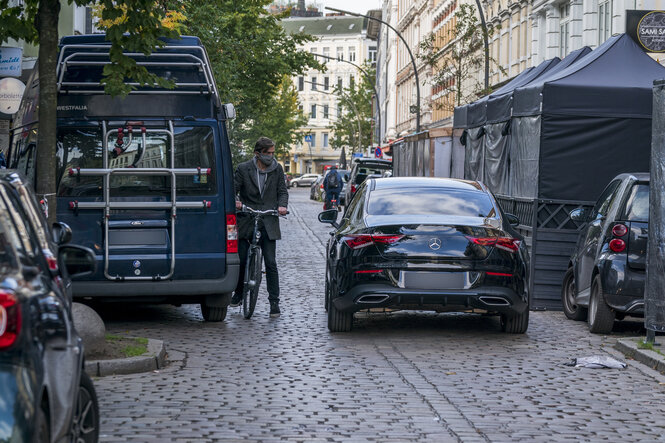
[{"x": 345, "y": 39}]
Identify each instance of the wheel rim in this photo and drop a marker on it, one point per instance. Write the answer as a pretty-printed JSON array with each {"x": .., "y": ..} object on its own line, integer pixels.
[
  {"x": 84, "y": 421},
  {"x": 570, "y": 294}
]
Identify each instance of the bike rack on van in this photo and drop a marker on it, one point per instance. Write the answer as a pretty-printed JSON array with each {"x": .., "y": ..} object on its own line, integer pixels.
[{"x": 108, "y": 205}]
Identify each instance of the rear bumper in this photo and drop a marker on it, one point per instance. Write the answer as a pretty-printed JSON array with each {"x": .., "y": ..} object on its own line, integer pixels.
[
  {"x": 623, "y": 286},
  {"x": 185, "y": 291},
  {"x": 495, "y": 299}
]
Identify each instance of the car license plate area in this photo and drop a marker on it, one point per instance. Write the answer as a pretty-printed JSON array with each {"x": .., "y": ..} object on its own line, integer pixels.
[
  {"x": 432, "y": 280},
  {"x": 137, "y": 238}
]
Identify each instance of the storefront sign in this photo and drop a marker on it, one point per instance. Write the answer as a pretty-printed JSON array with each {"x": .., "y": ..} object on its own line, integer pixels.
[
  {"x": 11, "y": 92},
  {"x": 647, "y": 29},
  {"x": 10, "y": 61}
]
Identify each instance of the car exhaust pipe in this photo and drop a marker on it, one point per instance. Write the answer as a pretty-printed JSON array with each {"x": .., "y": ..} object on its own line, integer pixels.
[
  {"x": 494, "y": 301},
  {"x": 373, "y": 299}
]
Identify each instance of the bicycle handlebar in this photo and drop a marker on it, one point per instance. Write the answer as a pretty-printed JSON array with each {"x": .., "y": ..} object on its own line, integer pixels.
[{"x": 257, "y": 212}]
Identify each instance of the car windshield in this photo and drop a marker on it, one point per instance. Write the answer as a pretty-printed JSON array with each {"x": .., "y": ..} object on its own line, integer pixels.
[
  {"x": 82, "y": 148},
  {"x": 430, "y": 201}
]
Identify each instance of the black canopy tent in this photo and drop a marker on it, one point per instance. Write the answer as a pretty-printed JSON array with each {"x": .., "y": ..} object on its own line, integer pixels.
[{"x": 588, "y": 122}]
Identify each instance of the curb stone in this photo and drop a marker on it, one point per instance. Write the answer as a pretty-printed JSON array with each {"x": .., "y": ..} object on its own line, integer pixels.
[
  {"x": 650, "y": 358},
  {"x": 154, "y": 358}
]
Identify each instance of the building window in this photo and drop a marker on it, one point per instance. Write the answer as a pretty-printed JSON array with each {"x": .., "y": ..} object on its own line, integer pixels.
[
  {"x": 301, "y": 83},
  {"x": 352, "y": 82},
  {"x": 313, "y": 140},
  {"x": 352, "y": 54},
  {"x": 313, "y": 113},
  {"x": 564, "y": 26},
  {"x": 340, "y": 53},
  {"x": 325, "y": 139},
  {"x": 326, "y": 83},
  {"x": 325, "y": 111},
  {"x": 326, "y": 51},
  {"x": 313, "y": 51},
  {"x": 339, "y": 110},
  {"x": 313, "y": 83},
  {"x": 372, "y": 54},
  {"x": 301, "y": 109},
  {"x": 605, "y": 20},
  {"x": 340, "y": 83}
]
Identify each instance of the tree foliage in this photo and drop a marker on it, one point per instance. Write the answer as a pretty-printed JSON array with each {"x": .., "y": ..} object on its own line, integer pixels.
[
  {"x": 353, "y": 127},
  {"x": 251, "y": 54},
  {"x": 456, "y": 65}
]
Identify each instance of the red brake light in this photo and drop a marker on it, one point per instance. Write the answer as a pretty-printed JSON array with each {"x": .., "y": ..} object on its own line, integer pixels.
[
  {"x": 358, "y": 241},
  {"x": 499, "y": 274},
  {"x": 51, "y": 261},
  {"x": 353, "y": 188},
  {"x": 231, "y": 234},
  {"x": 10, "y": 319},
  {"x": 619, "y": 230},
  {"x": 369, "y": 271},
  {"x": 506, "y": 243},
  {"x": 617, "y": 245}
]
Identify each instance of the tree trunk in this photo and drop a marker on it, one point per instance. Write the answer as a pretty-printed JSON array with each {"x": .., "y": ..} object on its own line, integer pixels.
[{"x": 47, "y": 27}]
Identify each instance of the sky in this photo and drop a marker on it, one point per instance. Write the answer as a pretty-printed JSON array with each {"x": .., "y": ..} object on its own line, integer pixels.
[{"x": 361, "y": 6}]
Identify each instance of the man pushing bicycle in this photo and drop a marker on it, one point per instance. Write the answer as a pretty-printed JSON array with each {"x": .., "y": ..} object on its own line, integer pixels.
[{"x": 259, "y": 183}]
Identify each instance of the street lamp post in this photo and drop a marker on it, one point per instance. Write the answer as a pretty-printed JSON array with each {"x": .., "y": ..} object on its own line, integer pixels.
[
  {"x": 413, "y": 60},
  {"x": 364, "y": 71}
]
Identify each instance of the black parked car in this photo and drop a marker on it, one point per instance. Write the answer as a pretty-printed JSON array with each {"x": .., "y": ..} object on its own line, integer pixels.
[
  {"x": 361, "y": 169},
  {"x": 45, "y": 395},
  {"x": 425, "y": 244},
  {"x": 606, "y": 273}
]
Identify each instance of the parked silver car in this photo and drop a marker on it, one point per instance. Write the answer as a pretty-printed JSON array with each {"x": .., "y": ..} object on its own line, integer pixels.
[{"x": 304, "y": 180}]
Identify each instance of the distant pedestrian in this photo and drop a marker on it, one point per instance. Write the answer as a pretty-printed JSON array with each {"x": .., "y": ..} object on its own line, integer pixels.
[
  {"x": 260, "y": 184},
  {"x": 332, "y": 185}
]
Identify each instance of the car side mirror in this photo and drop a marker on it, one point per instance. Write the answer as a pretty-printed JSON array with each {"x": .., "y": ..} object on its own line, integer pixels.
[
  {"x": 78, "y": 260},
  {"x": 346, "y": 177},
  {"x": 62, "y": 233},
  {"x": 329, "y": 216},
  {"x": 512, "y": 219},
  {"x": 578, "y": 214}
]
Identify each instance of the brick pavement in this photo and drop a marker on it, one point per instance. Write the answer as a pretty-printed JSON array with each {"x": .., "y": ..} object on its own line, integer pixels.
[{"x": 397, "y": 377}]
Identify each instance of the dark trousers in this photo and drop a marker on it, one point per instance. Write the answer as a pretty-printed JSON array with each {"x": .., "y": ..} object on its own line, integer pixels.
[
  {"x": 269, "y": 248},
  {"x": 330, "y": 195}
]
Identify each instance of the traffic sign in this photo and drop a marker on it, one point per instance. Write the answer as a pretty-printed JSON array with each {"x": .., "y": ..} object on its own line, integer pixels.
[
  {"x": 377, "y": 152},
  {"x": 308, "y": 138}
]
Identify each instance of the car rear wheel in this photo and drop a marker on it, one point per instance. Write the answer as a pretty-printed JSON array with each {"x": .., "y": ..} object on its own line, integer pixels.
[
  {"x": 213, "y": 314},
  {"x": 601, "y": 316},
  {"x": 572, "y": 310},
  {"x": 85, "y": 424},
  {"x": 516, "y": 323}
]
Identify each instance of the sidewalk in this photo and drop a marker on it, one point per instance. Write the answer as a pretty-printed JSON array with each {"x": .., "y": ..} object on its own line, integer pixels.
[{"x": 653, "y": 359}]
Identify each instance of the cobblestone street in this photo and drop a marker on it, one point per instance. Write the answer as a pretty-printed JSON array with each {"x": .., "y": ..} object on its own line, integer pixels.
[{"x": 396, "y": 377}]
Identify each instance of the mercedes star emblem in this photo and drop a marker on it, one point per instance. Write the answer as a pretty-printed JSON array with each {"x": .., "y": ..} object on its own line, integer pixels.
[{"x": 434, "y": 244}]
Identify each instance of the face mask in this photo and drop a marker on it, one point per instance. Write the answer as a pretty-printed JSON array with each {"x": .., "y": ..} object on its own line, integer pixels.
[{"x": 266, "y": 159}]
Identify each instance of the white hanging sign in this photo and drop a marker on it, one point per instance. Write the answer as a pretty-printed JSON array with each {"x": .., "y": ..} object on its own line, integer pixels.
[
  {"x": 10, "y": 61},
  {"x": 11, "y": 92}
]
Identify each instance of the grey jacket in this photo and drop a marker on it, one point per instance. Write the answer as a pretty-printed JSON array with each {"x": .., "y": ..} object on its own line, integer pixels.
[{"x": 272, "y": 195}]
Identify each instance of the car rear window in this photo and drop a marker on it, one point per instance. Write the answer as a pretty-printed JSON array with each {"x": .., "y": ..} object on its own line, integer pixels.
[
  {"x": 430, "y": 201},
  {"x": 637, "y": 207}
]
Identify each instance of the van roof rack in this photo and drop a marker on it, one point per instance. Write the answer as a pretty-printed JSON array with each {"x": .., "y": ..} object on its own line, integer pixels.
[{"x": 185, "y": 62}]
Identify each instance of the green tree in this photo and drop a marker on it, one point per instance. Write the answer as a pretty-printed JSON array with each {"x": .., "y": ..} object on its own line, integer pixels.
[
  {"x": 456, "y": 64},
  {"x": 251, "y": 54},
  {"x": 36, "y": 21},
  {"x": 353, "y": 127}
]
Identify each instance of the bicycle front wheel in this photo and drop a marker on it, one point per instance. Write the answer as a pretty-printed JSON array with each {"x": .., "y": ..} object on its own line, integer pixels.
[{"x": 252, "y": 282}]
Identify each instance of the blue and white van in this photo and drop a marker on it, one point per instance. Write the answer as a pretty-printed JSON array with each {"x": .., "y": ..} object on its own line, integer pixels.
[{"x": 146, "y": 181}]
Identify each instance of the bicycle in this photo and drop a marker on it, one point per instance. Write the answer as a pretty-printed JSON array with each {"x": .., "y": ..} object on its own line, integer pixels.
[{"x": 252, "y": 278}]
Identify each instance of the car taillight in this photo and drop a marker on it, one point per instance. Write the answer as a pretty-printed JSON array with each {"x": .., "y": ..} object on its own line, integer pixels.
[
  {"x": 353, "y": 189},
  {"x": 10, "y": 319},
  {"x": 499, "y": 274},
  {"x": 506, "y": 243},
  {"x": 617, "y": 245},
  {"x": 51, "y": 261},
  {"x": 619, "y": 230},
  {"x": 231, "y": 234},
  {"x": 358, "y": 241}
]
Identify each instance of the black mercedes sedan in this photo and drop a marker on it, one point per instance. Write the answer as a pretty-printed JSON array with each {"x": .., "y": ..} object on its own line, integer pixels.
[
  {"x": 45, "y": 394},
  {"x": 425, "y": 244},
  {"x": 607, "y": 270}
]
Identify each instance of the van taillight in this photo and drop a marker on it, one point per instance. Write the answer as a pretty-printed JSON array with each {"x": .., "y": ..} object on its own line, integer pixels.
[
  {"x": 10, "y": 319},
  {"x": 619, "y": 230},
  {"x": 231, "y": 234},
  {"x": 617, "y": 245}
]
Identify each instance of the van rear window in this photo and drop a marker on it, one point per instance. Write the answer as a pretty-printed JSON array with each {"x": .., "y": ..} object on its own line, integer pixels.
[{"x": 82, "y": 148}]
